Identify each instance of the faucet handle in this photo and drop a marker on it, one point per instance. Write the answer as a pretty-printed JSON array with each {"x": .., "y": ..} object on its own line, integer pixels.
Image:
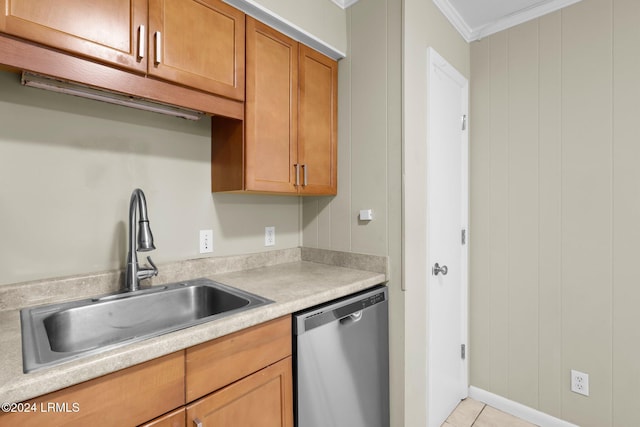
[
  {"x": 155, "y": 269},
  {"x": 146, "y": 272}
]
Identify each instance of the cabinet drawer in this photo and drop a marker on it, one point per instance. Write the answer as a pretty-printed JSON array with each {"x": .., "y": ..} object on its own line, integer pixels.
[
  {"x": 176, "y": 418},
  {"x": 125, "y": 398},
  {"x": 262, "y": 399},
  {"x": 213, "y": 365}
]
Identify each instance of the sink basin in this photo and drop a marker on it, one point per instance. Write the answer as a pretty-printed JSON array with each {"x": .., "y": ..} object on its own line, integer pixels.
[{"x": 56, "y": 333}]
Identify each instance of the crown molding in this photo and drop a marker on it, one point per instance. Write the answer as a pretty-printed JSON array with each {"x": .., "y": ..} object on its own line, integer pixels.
[
  {"x": 261, "y": 13},
  {"x": 344, "y": 3},
  {"x": 524, "y": 15},
  {"x": 456, "y": 20}
]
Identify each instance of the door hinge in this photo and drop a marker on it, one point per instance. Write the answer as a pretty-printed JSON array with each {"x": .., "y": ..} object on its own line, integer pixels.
[
  {"x": 464, "y": 122},
  {"x": 463, "y": 236},
  {"x": 463, "y": 351}
]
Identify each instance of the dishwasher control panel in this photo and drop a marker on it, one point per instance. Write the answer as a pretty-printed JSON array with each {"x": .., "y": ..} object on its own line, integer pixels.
[{"x": 338, "y": 309}]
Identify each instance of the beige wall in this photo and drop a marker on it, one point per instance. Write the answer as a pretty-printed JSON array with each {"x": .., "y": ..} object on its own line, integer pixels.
[
  {"x": 555, "y": 207},
  {"x": 424, "y": 26},
  {"x": 67, "y": 169},
  {"x": 68, "y": 166},
  {"x": 369, "y": 161}
]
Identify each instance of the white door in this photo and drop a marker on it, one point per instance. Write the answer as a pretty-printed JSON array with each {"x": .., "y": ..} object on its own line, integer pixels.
[{"x": 447, "y": 217}]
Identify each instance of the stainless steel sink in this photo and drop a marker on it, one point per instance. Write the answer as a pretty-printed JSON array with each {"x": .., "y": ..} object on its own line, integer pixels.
[{"x": 60, "y": 332}]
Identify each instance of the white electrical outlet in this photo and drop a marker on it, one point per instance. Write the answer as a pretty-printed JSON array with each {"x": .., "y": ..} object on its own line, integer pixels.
[
  {"x": 206, "y": 241},
  {"x": 269, "y": 236},
  {"x": 580, "y": 382}
]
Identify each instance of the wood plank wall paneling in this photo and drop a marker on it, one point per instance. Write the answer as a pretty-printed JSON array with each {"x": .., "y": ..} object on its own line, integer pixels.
[
  {"x": 586, "y": 207},
  {"x": 480, "y": 241},
  {"x": 499, "y": 209},
  {"x": 555, "y": 203},
  {"x": 626, "y": 212},
  {"x": 365, "y": 79},
  {"x": 523, "y": 218},
  {"x": 550, "y": 199}
]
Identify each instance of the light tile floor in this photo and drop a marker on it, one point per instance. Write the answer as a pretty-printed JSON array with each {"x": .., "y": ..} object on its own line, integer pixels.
[{"x": 471, "y": 413}]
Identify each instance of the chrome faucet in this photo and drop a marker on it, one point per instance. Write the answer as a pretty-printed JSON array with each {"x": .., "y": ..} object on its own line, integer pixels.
[{"x": 135, "y": 273}]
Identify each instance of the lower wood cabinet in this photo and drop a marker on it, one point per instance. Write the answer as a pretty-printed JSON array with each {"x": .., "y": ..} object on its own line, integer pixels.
[
  {"x": 243, "y": 379},
  {"x": 175, "y": 418},
  {"x": 124, "y": 398},
  {"x": 215, "y": 364},
  {"x": 263, "y": 399}
]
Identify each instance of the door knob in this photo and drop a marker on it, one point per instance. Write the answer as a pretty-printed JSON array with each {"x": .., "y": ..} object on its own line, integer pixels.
[{"x": 437, "y": 269}]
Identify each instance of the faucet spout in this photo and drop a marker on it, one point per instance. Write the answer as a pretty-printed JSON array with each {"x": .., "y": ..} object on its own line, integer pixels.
[{"x": 135, "y": 273}]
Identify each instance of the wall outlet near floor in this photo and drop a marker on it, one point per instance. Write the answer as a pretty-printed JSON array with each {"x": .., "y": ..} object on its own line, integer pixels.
[
  {"x": 580, "y": 382},
  {"x": 269, "y": 236},
  {"x": 206, "y": 241}
]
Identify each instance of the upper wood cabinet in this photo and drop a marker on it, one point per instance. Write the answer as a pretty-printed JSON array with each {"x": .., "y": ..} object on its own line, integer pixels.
[
  {"x": 317, "y": 122},
  {"x": 111, "y": 31},
  {"x": 290, "y": 128},
  {"x": 196, "y": 43},
  {"x": 271, "y": 110}
]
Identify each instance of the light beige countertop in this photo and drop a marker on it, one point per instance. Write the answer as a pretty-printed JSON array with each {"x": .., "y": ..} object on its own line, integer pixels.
[{"x": 294, "y": 279}]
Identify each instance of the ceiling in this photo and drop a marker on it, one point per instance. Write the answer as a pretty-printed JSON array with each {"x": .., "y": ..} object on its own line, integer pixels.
[{"x": 475, "y": 19}]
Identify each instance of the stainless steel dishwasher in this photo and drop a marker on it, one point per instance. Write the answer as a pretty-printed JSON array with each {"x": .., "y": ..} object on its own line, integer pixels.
[{"x": 342, "y": 362}]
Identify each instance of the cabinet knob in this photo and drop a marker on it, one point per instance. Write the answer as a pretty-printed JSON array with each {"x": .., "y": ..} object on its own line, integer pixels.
[
  {"x": 297, "y": 165},
  {"x": 197, "y": 422}
]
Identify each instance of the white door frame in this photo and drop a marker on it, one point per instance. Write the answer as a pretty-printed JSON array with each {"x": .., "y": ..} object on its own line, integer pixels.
[
  {"x": 415, "y": 268},
  {"x": 414, "y": 243},
  {"x": 435, "y": 61}
]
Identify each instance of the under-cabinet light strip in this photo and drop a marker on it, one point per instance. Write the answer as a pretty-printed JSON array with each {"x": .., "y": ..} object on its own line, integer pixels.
[{"x": 47, "y": 83}]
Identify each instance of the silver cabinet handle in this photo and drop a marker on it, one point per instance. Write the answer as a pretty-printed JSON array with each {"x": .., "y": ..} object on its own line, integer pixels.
[
  {"x": 141, "y": 41},
  {"x": 437, "y": 270},
  {"x": 297, "y": 174},
  {"x": 197, "y": 422},
  {"x": 158, "y": 53},
  {"x": 304, "y": 174}
]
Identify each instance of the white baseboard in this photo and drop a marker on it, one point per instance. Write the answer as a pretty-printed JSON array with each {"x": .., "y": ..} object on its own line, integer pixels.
[{"x": 517, "y": 409}]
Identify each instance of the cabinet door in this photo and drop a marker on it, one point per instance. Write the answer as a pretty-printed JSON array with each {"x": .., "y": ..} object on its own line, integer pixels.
[
  {"x": 198, "y": 43},
  {"x": 317, "y": 126},
  {"x": 263, "y": 399},
  {"x": 106, "y": 30},
  {"x": 124, "y": 398},
  {"x": 271, "y": 110}
]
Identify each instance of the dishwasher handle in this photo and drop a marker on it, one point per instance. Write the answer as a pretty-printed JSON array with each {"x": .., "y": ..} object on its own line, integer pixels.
[{"x": 352, "y": 318}]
